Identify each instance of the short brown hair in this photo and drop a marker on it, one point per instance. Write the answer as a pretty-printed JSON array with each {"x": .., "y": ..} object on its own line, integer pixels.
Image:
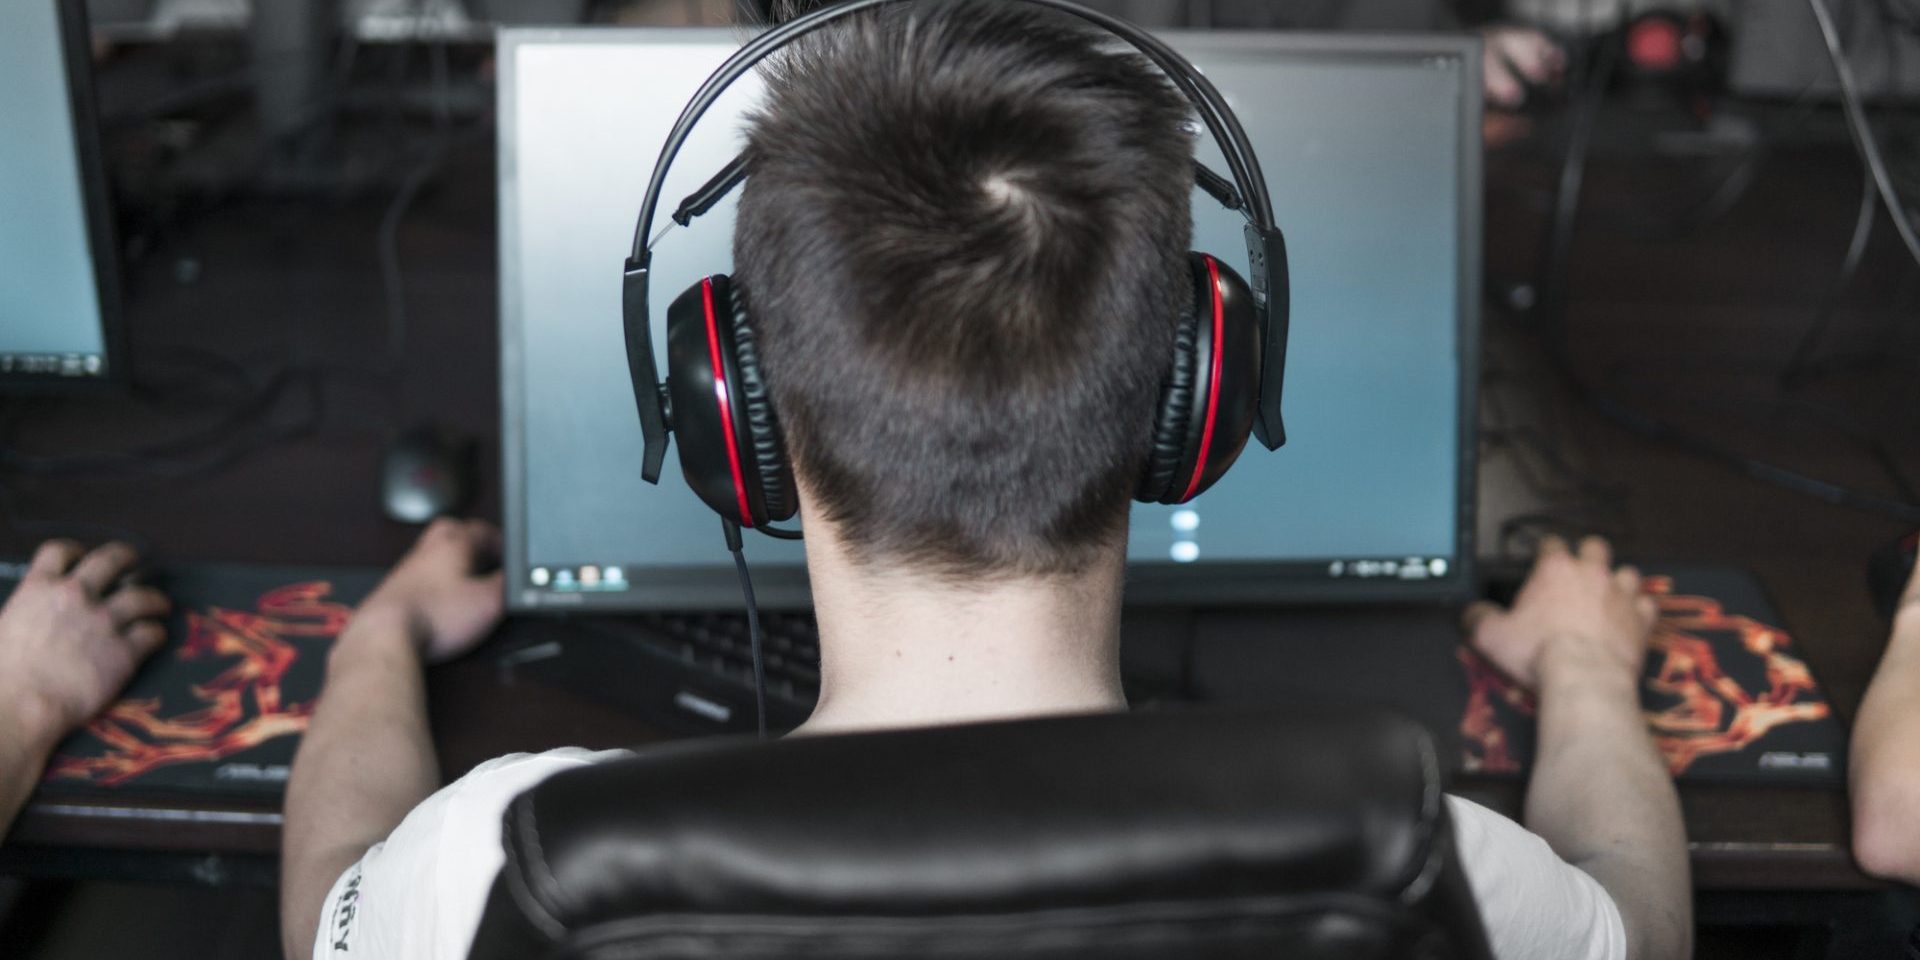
[{"x": 963, "y": 247}]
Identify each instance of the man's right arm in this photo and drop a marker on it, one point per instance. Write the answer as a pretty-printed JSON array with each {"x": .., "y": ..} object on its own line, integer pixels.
[
  {"x": 1885, "y": 765},
  {"x": 1602, "y": 798},
  {"x": 1600, "y": 795},
  {"x": 367, "y": 757}
]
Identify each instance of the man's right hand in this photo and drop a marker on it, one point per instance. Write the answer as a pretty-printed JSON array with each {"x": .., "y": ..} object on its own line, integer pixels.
[
  {"x": 437, "y": 594},
  {"x": 1572, "y": 603}
]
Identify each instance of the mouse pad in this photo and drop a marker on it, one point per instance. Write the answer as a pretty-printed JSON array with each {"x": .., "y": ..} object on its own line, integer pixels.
[
  {"x": 1726, "y": 693},
  {"x": 220, "y": 707}
]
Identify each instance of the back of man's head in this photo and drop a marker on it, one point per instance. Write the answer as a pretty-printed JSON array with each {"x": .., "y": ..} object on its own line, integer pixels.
[{"x": 963, "y": 248}]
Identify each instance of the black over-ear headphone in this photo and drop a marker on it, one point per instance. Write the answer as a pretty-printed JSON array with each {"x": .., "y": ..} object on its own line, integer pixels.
[{"x": 1229, "y": 355}]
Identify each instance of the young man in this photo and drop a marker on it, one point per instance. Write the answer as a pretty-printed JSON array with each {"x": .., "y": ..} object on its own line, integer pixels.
[
  {"x": 964, "y": 240},
  {"x": 1886, "y": 754},
  {"x": 70, "y": 636}
]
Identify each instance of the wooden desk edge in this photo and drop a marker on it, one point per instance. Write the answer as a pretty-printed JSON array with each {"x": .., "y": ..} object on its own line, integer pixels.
[{"x": 150, "y": 825}]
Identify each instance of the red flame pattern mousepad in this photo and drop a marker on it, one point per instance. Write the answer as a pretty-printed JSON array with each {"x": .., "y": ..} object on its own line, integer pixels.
[
  {"x": 1726, "y": 693},
  {"x": 219, "y": 708}
]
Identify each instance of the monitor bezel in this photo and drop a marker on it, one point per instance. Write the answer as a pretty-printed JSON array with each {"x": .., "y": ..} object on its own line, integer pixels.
[
  {"x": 76, "y": 51},
  {"x": 1157, "y": 585}
]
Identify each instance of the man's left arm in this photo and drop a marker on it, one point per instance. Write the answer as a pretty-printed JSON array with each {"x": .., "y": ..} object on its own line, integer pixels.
[{"x": 367, "y": 758}]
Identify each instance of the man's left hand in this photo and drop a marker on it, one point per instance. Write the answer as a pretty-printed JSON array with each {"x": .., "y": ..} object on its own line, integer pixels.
[{"x": 72, "y": 634}]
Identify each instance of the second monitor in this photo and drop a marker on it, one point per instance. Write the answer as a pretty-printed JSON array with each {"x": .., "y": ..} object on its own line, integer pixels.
[
  {"x": 59, "y": 299},
  {"x": 1371, "y": 150}
]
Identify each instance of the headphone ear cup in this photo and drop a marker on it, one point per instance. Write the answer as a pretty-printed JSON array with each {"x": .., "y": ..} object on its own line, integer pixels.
[
  {"x": 1211, "y": 396},
  {"x": 1175, "y": 411},
  {"x": 701, "y": 426},
  {"x": 774, "y": 474}
]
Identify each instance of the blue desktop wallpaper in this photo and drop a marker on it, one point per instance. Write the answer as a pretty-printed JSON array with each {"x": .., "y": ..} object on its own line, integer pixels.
[{"x": 48, "y": 301}]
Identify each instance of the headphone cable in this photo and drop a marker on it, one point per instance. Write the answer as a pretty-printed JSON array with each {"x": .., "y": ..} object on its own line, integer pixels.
[{"x": 738, "y": 549}]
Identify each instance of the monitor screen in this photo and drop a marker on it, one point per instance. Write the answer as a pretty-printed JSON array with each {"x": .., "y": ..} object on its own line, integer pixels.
[
  {"x": 1370, "y": 147},
  {"x": 57, "y": 320}
]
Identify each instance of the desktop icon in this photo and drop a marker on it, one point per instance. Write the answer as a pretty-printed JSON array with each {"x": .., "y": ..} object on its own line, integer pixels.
[
  {"x": 589, "y": 576},
  {"x": 539, "y": 576},
  {"x": 614, "y": 576}
]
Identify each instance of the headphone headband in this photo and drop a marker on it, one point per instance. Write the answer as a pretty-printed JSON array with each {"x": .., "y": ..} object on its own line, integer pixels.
[
  {"x": 1206, "y": 98},
  {"x": 1266, "y": 248}
]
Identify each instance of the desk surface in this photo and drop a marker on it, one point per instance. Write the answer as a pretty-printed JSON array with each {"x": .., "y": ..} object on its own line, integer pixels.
[
  {"x": 1693, "y": 308},
  {"x": 1743, "y": 837}
]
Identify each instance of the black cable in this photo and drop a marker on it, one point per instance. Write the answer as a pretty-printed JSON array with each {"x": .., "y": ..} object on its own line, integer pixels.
[
  {"x": 1862, "y": 131},
  {"x": 392, "y": 279},
  {"x": 1573, "y": 174},
  {"x": 1836, "y": 494},
  {"x": 1554, "y": 298},
  {"x": 1573, "y": 501},
  {"x": 1840, "y": 421},
  {"x": 1799, "y": 361},
  {"x": 1698, "y": 209},
  {"x": 195, "y": 452},
  {"x": 732, "y": 532},
  {"x": 1544, "y": 441}
]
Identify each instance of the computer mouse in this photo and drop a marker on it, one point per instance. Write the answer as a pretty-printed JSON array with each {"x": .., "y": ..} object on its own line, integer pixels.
[
  {"x": 1890, "y": 569},
  {"x": 426, "y": 474}
]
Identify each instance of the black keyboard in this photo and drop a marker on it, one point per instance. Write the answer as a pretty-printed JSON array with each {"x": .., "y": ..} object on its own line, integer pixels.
[{"x": 719, "y": 644}]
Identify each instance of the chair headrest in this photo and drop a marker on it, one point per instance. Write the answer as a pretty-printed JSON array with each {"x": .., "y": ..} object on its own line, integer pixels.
[{"x": 1162, "y": 829}]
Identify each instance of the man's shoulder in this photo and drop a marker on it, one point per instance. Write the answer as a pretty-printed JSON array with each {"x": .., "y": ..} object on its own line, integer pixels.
[
  {"x": 471, "y": 807},
  {"x": 419, "y": 892},
  {"x": 518, "y": 765},
  {"x": 486, "y": 790},
  {"x": 1534, "y": 904}
]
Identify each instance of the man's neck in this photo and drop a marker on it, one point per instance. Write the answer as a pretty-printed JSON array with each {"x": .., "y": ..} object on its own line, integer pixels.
[{"x": 902, "y": 648}]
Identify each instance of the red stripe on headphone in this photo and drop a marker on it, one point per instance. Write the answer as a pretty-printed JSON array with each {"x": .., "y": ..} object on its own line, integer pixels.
[
  {"x": 726, "y": 408},
  {"x": 1213, "y": 382}
]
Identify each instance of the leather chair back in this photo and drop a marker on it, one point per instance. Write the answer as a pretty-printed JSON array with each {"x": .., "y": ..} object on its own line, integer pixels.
[{"x": 1149, "y": 836}]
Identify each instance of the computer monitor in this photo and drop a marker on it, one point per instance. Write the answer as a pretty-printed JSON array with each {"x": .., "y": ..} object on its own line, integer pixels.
[
  {"x": 1371, "y": 147},
  {"x": 59, "y": 301}
]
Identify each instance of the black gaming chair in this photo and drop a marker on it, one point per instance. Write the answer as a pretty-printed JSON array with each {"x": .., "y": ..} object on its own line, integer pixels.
[{"x": 1153, "y": 836}]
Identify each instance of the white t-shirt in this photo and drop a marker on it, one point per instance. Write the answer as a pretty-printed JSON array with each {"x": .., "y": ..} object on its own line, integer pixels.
[{"x": 420, "y": 893}]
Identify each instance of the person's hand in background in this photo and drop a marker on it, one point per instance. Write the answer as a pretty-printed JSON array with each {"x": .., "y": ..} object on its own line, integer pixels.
[
  {"x": 1514, "y": 59},
  {"x": 446, "y": 594},
  {"x": 1574, "y": 601},
  {"x": 70, "y": 637},
  {"x": 72, "y": 633}
]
